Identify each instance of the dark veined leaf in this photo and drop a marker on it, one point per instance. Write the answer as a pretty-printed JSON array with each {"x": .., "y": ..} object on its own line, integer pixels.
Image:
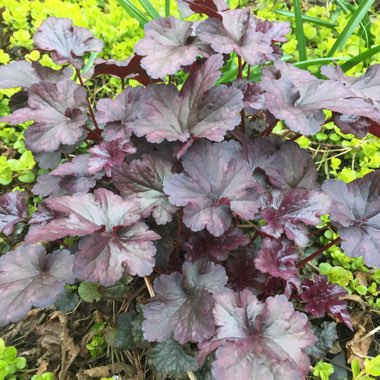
[
  {"x": 114, "y": 243},
  {"x": 216, "y": 183},
  {"x": 107, "y": 155},
  {"x": 142, "y": 180},
  {"x": 58, "y": 114},
  {"x": 13, "y": 209},
  {"x": 256, "y": 340},
  {"x": 171, "y": 360},
  {"x": 278, "y": 258},
  {"x": 290, "y": 212},
  {"x": 166, "y": 46},
  {"x": 120, "y": 336},
  {"x": 356, "y": 213},
  {"x": 29, "y": 277},
  {"x": 182, "y": 307},
  {"x": 327, "y": 336},
  {"x": 67, "y": 43},
  {"x": 322, "y": 297},
  {"x": 207, "y": 7},
  {"x": 298, "y": 98},
  {"x": 24, "y": 74},
  {"x": 238, "y": 31},
  {"x": 67, "y": 301},
  {"x": 198, "y": 110},
  {"x": 204, "y": 245}
]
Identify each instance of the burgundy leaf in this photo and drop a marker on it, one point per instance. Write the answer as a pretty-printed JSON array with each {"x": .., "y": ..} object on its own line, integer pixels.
[
  {"x": 285, "y": 163},
  {"x": 257, "y": 340},
  {"x": 254, "y": 99},
  {"x": 240, "y": 32},
  {"x": 216, "y": 183},
  {"x": 48, "y": 185},
  {"x": 298, "y": 98},
  {"x": 243, "y": 274},
  {"x": 84, "y": 214},
  {"x": 67, "y": 43},
  {"x": 278, "y": 258},
  {"x": 108, "y": 155},
  {"x": 207, "y": 7},
  {"x": 121, "y": 112},
  {"x": 57, "y": 110},
  {"x": 356, "y": 213},
  {"x": 198, "y": 110},
  {"x": 321, "y": 297},
  {"x": 204, "y": 245},
  {"x": 105, "y": 257},
  {"x": 167, "y": 45},
  {"x": 29, "y": 277},
  {"x": 142, "y": 180},
  {"x": 182, "y": 306},
  {"x": 24, "y": 74},
  {"x": 292, "y": 210},
  {"x": 13, "y": 209},
  {"x": 128, "y": 69}
]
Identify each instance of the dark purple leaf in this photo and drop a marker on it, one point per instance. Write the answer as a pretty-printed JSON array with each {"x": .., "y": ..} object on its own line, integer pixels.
[
  {"x": 48, "y": 185},
  {"x": 278, "y": 258},
  {"x": 182, "y": 307},
  {"x": 257, "y": 340},
  {"x": 115, "y": 244},
  {"x": 24, "y": 74},
  {"x": 107, "y": 155},
  {"x": 84, "y": 214},
  {"x": 57, "y": 110},
  {"x": 254, "y": 98},
  {"x": 13, "y": 209},
  {"x": 121, "y": 112},
  {"x": 198, "y": 110},
  {"x": 207, "y": 7},
  {"x": 105, "y": 257},
  {"x": 298, "y": 98},
  {"x": 67, "y": 43},
  {"x": 167, "y": 45},
  {"x": 29, "y": 277},
  {"x": 128, "y": 69},
  {"x": 240, "y": 32},
  {"x": 242, "y": 273},
  {"x": 321, "y": 297},
  {"x": 204, "y": 245},
  {"x": 142, "y": 181},
  {"x": 216, "y": 183},
  {"x": 290, "y": 212},
  {"x": 285, "y": 163},
  {"x": 356, "y": 213}
]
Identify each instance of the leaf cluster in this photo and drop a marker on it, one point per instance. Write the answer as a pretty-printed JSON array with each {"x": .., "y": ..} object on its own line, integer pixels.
[{"x": 190, "y": 173}]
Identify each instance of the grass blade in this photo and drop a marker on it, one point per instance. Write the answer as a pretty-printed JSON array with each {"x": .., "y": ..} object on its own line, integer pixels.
[
  {"x": 167, "y": 8},
  {"x": 313, "y": 20},
  {"x": 89, "y": 63},
  {"x": 151, "y": 10},
  {"x": 353, "y": 22},
  {"x": 319, "y": 61},
  {"x": 360, "y": 58},
  {"x": 299, "y": 31},
  {"x": 134, "y": 12}
]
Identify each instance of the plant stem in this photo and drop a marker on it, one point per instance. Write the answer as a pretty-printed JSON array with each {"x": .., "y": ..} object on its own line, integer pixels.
[
  {"x": 240, "y": 72},
  {"x": 317, "y": 253},
  {"x": 248, "y": 71},
  {"x": 92, "y": 114},
  {"x": 179, "y": 233}
]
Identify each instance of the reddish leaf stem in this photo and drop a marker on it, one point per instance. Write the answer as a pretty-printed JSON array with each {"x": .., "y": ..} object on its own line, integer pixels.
[
  {"x": 179, "y": 232},
  {"x": 92, "y": 114},
  {"x": 317, "y": 253}
]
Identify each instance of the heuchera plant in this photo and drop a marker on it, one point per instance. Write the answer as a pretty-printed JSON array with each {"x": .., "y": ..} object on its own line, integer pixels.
[{"x": 188, "y": 167}]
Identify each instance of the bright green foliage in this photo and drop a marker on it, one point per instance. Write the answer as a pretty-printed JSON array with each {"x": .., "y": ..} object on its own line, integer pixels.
[
  {"x": 44, "y": 376},
  {"x": 10, "y": 364},
  {"x": 371, "y": 370},
  {"x": 97, "y": 345},
  {"x": 323, "y": 370}
]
